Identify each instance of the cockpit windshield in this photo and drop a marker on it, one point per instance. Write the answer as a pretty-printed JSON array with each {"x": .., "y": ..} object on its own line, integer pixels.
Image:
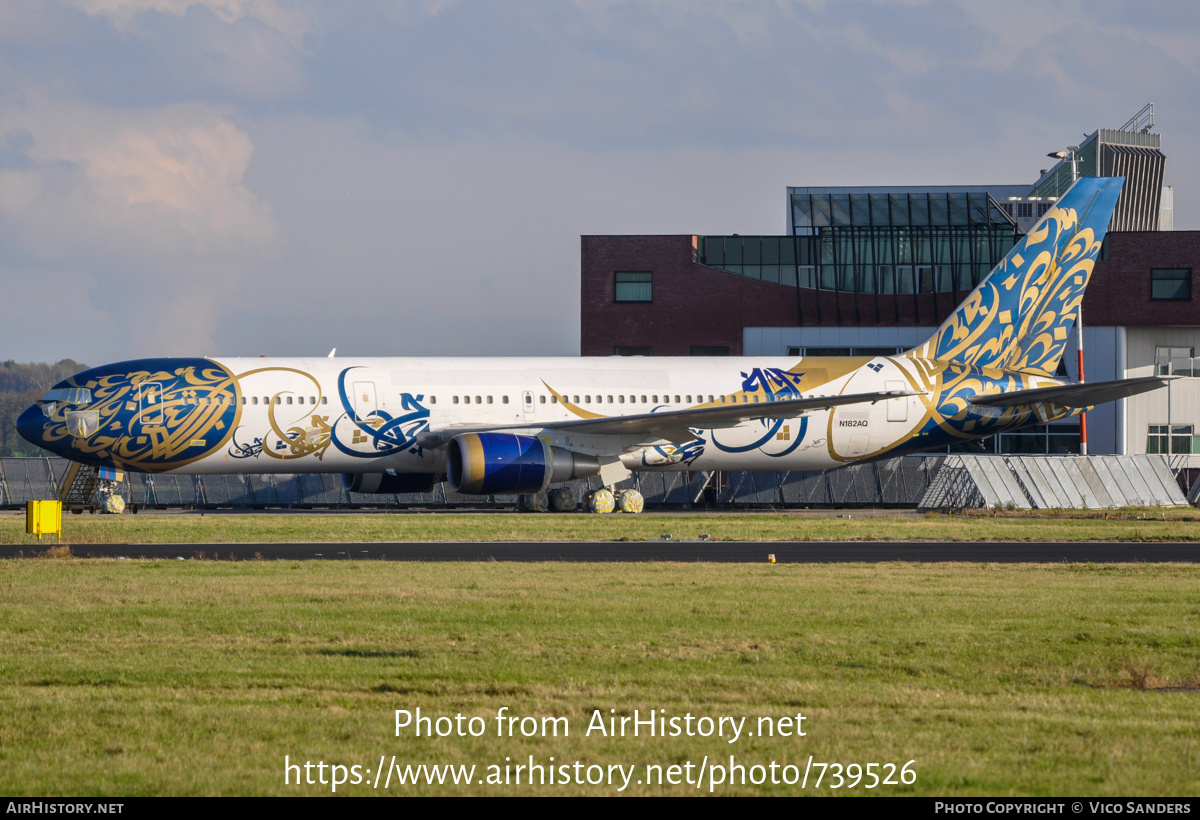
[{"x": 69, "y": 395}]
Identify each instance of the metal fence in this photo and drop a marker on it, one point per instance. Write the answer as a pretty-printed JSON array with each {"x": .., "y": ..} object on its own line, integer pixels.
[
  {"x": 1053, "y": 482},
  {"x": 900, "y": 482},
  {"x": 926, "y": 482}
]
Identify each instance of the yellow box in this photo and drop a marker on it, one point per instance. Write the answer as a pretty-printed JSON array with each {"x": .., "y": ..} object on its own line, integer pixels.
[{"x": 43, "y": 518}]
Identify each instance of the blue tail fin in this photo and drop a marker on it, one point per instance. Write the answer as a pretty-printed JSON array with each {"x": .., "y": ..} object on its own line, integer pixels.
[{"x": 1019, "y": 316}]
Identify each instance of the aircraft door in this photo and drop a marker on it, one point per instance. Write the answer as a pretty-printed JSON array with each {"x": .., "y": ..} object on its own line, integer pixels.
[
  {"x": 150, "y": 403},
  {"x": 897, "y": 409},
  {"x": 860, "y": 443},
  {"x": 364, "y": 399},
  {"x": 527, "y": 405}
]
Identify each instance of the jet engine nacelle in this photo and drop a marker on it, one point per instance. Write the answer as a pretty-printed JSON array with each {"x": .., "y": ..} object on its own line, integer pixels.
[
  {"x": 485, "y": 463},
  {"x": 386, "y": 483}
]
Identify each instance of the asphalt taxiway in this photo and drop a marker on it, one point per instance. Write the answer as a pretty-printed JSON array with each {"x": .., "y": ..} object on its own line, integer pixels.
[{"x": 785, "y": 552}]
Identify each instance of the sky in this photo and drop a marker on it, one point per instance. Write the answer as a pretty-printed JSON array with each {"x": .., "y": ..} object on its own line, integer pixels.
[{"x": 260, "y": 177}]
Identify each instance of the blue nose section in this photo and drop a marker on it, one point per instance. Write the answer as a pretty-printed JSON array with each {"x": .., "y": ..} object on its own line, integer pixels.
[{"x": 31, "y": 424}]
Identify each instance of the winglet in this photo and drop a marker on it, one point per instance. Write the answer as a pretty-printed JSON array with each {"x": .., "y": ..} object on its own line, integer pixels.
[{"x": 331, "y": 353}]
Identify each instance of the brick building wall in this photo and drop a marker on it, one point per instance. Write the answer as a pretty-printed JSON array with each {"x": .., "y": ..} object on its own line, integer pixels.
[
  {"x": 694, "y": 305},
  {"x": 1119, "y": 293}
]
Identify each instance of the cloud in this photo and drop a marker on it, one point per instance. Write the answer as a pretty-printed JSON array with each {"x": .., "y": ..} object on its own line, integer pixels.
[
  {"x": 288, "y": 20},
  {"x": 412, "y": 177},
  {"x": 152, "y": 203},
  {"x": 154, "y": 52},
  {"x": 84, "y": 181}
]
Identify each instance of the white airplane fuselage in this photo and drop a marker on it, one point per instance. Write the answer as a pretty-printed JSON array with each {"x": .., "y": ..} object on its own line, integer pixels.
[
  {"x": 532, "y": 395},
  {"x": 499, "y": 425},
  {"x": 375, "y": 415}
]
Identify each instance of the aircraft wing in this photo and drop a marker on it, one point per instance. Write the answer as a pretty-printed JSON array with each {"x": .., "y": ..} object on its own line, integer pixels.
[
  {"x": 1084, "y": 395},
  {"x": 673, "y": 425}
]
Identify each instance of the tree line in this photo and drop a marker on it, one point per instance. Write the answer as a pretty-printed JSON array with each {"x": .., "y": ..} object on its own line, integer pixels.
[{"x": 20, "y": 386}]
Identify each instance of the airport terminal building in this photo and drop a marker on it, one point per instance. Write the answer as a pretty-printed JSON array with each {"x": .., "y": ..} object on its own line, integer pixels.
[{"x": 875, "y": 270}]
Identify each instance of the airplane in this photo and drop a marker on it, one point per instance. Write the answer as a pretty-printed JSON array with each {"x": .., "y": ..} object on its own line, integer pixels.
[{"x": 521, "y": 425}]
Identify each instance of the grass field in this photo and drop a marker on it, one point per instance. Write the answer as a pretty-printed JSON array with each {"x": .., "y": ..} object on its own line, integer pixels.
[
  {"x": 1179, "y": 524},
  {"x": 198, "y": 677}
]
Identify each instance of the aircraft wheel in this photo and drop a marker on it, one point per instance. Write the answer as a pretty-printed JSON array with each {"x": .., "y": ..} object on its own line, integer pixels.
[
  {"x": 562, "y": 500},
  {"x": 630, "y": 501},
  {"x": 535, "y": 502},
  {"x": 601, "y": 501}
]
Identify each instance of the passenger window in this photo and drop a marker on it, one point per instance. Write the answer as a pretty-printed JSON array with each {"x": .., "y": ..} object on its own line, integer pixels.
[
  {"x": 324, "y": 399},
  {"x": 433, "y": 399},
  {"x": 554, "y": 399},
  {"x": 610, "y": 401},
  {"x": 278, "y": 400},
  {"x": 528, "y": 398},
  {"x": 504, "y": 399},
  {"x": 489, "y": 399},
  {"x": 542, "y": 399},
  {"x": 479, "y": 400},
  {"x": 621, "y": 399},
  {"x": 455, "y": 399},
  {"x": 710, "y": 399},
  {"x": 677, "y": 401},
  {"x": 689, "y": 399}
]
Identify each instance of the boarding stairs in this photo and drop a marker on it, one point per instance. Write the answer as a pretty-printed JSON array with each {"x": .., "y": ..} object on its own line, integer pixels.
[{"x": 78, "y": 488}]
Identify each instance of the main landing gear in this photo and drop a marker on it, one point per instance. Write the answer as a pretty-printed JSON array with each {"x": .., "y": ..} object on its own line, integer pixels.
[{"x": 599, "y": 501}]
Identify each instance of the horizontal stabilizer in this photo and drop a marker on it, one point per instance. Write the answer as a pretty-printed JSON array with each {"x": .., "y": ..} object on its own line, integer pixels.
[{"x": 1084, "y": 395}]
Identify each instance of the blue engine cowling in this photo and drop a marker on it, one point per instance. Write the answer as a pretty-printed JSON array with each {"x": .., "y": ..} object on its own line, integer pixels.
[{"x": 485, "y": 463}]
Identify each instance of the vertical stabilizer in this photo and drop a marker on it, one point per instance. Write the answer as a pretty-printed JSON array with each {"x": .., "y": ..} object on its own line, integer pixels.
[{"x": 1019, "y": 316}]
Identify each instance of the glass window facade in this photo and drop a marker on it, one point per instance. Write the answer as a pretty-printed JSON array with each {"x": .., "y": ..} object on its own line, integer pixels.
[
  {"x": 865, "y": 209},
  {"x": 1060, "y": 438},
  {"x": 1175, "y": 361},
  {"x": 880, "y": 259},
  {"x": 1181, "y": 440},
  {"x": 1172, "y": 284},
  {"x": 633, "y": 286}
]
